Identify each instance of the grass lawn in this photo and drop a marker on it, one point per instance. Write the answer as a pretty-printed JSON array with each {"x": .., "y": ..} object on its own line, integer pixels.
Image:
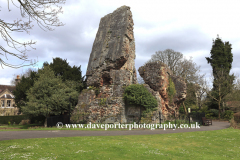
[
  {"x": 11, "y": 127},
  {"x": 218, "y": 144}
]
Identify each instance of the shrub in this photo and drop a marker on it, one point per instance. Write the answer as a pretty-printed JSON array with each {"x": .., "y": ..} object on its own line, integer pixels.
[
  {"x": 214, "y": 112},
  {"x": 208, "y": 115},
  {"x": 103, "y": 101},
  {"x": 137, "y": 94},
  {"x": 204, "y": 109},
  {"x": 40, "y": 119},
  {"x": 97, "y": 90},
  {"x": 227, "y": 115},
  {"x": 181, "y": 109},
  {"x": 23, "y": 122}
]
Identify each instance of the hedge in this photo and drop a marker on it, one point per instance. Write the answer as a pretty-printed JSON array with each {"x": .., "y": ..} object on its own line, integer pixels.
[{"x": 12, "y": 119}]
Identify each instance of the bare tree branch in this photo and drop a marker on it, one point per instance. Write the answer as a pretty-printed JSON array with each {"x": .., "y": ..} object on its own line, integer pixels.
[
  {"x": 44, "y": 12},
  {"x": 184, "y": 68},
  {"x": 169, "y": 57}
]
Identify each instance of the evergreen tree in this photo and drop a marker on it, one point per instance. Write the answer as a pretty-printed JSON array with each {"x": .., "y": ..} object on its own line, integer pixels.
[
  {"x": 221, "y": 62},
  {"x": 221, "y": 56},
  {"x": 49, "y": 95},
  {"x": 70, "y": 76},
  {"x": 22, "y": 87},
  {"x": 67, "y": 73}
]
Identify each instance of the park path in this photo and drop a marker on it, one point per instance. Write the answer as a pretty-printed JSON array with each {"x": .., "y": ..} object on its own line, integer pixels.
[{"x": 8, "y": 135}]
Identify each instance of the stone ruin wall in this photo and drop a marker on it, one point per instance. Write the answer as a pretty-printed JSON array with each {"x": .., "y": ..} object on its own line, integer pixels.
[
  {"x": 111, "y": 68},
  {"x": 156, "y": 76}
]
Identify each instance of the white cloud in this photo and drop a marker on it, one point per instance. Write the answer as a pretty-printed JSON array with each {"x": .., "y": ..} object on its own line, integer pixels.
[{"x": 185, "y": 26}]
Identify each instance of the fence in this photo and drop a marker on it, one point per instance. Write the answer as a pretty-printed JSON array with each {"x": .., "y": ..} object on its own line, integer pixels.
[
  {"x": 52, "y": 121},
  {"x": 194, "y": 117},
  {"x": 197, "y": 116}
]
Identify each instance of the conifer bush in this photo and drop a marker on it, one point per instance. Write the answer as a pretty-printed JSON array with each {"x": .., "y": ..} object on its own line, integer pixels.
[{"x": 137, "y": 94}]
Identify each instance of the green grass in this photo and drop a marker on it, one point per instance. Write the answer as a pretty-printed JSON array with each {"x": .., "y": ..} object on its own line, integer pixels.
[
  {"x": 26, "y": 126},
  {"x": 218, "y": 144},
  {"x": 17, "y": 127}
]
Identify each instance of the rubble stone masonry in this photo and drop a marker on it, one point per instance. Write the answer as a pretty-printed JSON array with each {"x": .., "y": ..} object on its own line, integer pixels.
[
  {"x": 111, "y": 68},
  {"x": 156, "y": 76}
]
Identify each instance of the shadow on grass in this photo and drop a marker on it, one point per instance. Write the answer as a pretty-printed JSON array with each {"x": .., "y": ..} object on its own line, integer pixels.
[{"x": 26, "y": 126}]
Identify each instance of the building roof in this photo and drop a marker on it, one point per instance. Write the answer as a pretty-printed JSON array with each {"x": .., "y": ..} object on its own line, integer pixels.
[
  {"x": 4, "y": 87},
  {"x": 8, "y": 96},
  {"x": 233, "y": 103}
]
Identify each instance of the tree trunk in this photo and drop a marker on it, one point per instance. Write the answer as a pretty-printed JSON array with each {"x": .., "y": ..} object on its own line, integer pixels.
[
  {"x": 219, "y": 109},
  {"x": 223, "y": 107},
  {"x": 184, "y": 108},
  {"x": 45, "y": 123},
  {"x": 199, "y": 104}
]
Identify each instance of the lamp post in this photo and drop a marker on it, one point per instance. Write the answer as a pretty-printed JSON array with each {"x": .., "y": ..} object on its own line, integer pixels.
[
  {"x": 47, "y": 114},
  {"x": 160, "y": 117},
  {"x": 175, "y": 117},
  {"x": 189, "y": 111}
]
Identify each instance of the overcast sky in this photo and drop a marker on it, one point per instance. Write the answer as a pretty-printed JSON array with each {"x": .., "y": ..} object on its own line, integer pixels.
[{"x": 186, "y": 26}]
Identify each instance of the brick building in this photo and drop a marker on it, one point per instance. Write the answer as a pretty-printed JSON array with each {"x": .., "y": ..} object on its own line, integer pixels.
[{"x": 7, "y": 103}]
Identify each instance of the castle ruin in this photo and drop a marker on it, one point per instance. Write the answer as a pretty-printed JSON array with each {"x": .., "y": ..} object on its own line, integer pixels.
[{"x": 111, "y": 68}]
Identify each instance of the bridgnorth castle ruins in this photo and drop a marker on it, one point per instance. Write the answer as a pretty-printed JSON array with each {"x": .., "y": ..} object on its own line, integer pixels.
[{"x": 111, "y": 68}]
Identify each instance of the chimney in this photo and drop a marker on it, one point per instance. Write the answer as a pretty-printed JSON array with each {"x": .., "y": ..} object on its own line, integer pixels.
[{"x": 18, "y": 79}]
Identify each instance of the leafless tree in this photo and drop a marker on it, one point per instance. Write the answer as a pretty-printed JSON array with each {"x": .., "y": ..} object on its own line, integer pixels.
[
  {"x": 179, "y": 65},
  {"x": 26, "y": 74},
  {"x": 140, "y": 80},
  {"x": 169, "y": 57},
  {"x": 185, "y": 68},
  {"x": 189, "y": 70},
  {"x": 201, "y": 92},
  {"x": 13, "y": 81},
  {"x": 196, "y": 93},
  {"x": 44, "y": 12},
  {"x": 233, "y": 97}
]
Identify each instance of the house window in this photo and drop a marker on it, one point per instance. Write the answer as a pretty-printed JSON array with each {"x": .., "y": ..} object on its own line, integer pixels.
[
  {"x": 8, "y": 103},
  {"x": 2, "y": 103}
]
